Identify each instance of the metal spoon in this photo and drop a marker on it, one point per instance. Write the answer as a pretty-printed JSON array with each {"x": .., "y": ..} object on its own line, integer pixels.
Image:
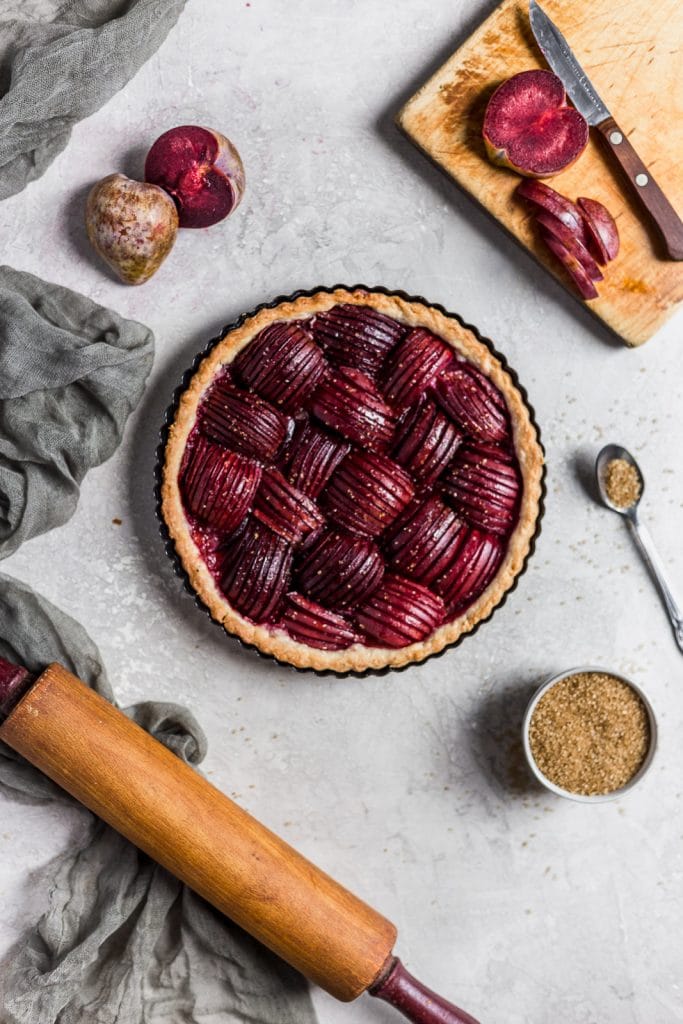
[{"x": 641, "y": 535}]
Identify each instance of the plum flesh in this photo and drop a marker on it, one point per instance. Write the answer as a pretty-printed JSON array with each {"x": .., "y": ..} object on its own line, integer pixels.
[
  {"x": 529, "y": 127},
  {"x": 201, "y": 170}
]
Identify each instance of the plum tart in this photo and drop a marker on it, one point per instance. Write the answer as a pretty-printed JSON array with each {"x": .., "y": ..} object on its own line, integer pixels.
[{"x": 351, "y": 480}]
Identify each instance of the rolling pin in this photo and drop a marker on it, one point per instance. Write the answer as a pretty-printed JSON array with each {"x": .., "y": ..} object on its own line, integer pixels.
[{"x": 135, "y": 784}]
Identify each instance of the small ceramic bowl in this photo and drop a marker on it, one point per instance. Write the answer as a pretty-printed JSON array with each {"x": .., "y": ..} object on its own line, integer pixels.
[{"x": 580, "y": 797}]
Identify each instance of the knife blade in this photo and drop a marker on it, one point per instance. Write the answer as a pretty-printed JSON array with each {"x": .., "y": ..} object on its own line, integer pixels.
[
  {"x": 562, "y": 61},
  {"x": 587, "y": 101}
]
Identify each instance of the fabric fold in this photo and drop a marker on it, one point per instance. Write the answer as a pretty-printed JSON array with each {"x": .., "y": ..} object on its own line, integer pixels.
[
  {"x": 71, "y": 373},
  {"x": 59, "y": 63}
]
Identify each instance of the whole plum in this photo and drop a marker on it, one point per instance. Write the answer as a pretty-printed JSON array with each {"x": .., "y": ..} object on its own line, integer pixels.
[{"x": 132, "y": 225}]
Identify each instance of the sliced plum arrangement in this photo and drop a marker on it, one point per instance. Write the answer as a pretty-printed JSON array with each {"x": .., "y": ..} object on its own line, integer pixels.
[
  {"x": 580, "y": 235},
  {"x": 530, "y": 128},
  {"x": 345, "y": 506}
]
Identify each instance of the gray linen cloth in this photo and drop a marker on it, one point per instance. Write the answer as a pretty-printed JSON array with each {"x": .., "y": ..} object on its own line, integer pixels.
[
  {"x": 59, "y": 62},
  {"x": 62, "y": 358},
  {"x": 121, "y": 942}
]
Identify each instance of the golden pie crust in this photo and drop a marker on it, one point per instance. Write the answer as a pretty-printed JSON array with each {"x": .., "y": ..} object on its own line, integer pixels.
[{"x": 358, "y": 658}]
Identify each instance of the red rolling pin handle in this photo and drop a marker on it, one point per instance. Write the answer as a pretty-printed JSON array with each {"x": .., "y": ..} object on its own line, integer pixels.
[{"x": 417, "y": 1003}]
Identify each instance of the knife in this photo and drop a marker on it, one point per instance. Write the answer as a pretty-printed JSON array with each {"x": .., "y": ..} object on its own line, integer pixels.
[{"x": 585, "y": 98}]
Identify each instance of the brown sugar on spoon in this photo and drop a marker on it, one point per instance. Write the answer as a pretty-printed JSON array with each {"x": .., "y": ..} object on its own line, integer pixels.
[
  {"x": 622, "y": 483},
  {"x": 590, "y": 733}
]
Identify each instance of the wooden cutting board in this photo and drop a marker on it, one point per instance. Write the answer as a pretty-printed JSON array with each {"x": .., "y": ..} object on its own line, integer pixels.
[{"x": 633, "y": 52}]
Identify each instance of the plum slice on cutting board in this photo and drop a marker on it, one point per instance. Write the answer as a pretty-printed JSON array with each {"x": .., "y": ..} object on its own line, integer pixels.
[
  {"x": 542, "y": 197},
  {"x": 601, "y": 229},
  {"x": 551, "y": 225},
  {"x": 571, "y": 264}
]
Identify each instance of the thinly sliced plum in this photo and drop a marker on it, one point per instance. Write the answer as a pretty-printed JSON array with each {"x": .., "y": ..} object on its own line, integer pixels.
[
  {"x": 367, "y": 492},
  {"x": 476, "y": 563},
  {"x": 475, "y": 404},
  {"x": 601, "y": 229},
  {"x": 400, "y": 612},
  {"x": 340, "y": 571},
  {"x": 585, "y": 286},
  {"x": 483, "y": 486},
  {"x": 426, "y": 441},
  {"x": 357, "y": 336},
  {"x": 311, "y": 623},
  {"x": 571, "y": 243},
  {"x": 529, "y": 127},
  {"x": 413, "y": 366},
  {"x": 423, "y": 541},
  {"x": 237, "y": 419},
  {"x": 350, "y": 403},
  {"x": 312, "y": 458},
  {"x": 282, "y": 364},
  {"x": 284, "y": 509},
  {"x": 256, "y": 571},
  {"x": 543, "y": 197},
  {"x": 218, "y": 485}
]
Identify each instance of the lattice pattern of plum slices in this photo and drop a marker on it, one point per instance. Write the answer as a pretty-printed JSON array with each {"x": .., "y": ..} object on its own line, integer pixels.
[{"x": 353, "y": 479}]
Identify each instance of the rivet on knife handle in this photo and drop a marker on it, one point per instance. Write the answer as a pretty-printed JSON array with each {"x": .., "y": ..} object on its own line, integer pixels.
[{"x": 646, "y": 188}]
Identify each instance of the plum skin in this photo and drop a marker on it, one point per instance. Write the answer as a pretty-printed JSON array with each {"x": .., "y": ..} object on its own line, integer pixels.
[
  {"x": 202, "y": 172},
  {"x": 132, "y": 225}
]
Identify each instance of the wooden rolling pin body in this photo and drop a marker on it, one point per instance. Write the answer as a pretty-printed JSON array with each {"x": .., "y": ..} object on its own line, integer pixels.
[{"x": 167, "y": 809}]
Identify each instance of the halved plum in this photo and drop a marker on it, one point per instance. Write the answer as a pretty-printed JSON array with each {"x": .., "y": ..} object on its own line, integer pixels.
[{"x": 529, "y": 127}]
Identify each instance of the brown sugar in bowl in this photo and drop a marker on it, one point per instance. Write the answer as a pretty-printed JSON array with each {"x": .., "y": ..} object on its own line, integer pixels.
[{"x": 589, "y": 734}]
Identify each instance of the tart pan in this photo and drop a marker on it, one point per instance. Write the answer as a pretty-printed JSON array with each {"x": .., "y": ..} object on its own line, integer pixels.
[{"x": 170, "y": 416}]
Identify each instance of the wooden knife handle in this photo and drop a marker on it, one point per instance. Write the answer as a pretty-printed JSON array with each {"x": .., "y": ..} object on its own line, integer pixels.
[
  {"x": 107, "y": 762},
  {"x": 647, "y": 190},
  {"x": 416, "y": 1002}
]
